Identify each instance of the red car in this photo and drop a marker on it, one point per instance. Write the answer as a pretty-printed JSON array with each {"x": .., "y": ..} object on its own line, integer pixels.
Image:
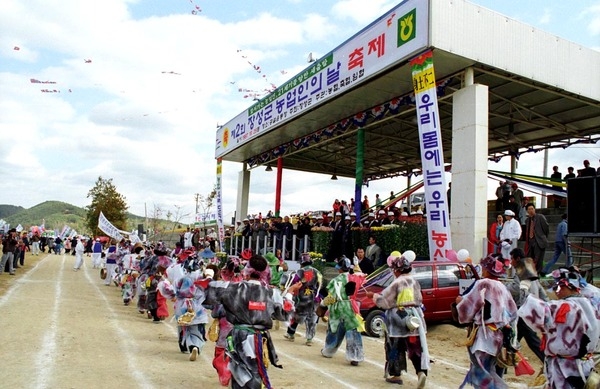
[{"x": 440, "y": 282}]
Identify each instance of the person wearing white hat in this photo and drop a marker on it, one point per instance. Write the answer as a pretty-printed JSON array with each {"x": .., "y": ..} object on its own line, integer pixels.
[
  {"x": 353, "y": 222},
  {"x": 509, "y": 236},
  {"x": 370, "y": 220}
]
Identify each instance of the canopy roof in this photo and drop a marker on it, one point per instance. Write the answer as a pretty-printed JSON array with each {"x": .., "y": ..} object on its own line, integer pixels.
[{"x": 542, "y": 93}]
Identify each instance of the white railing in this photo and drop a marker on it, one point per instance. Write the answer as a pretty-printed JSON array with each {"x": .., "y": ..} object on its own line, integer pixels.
[{"x": 271, "y": 244}]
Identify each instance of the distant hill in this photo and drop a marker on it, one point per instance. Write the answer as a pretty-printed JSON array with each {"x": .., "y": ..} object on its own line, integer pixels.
[
  {"x": 56, "y": 215},
  {"x": 9, "y": 210}
]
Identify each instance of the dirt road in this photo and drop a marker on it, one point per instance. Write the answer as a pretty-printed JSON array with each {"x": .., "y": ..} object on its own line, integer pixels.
[{"x": 65, "y": 329}]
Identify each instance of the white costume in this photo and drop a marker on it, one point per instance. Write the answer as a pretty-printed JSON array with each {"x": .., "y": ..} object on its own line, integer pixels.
[
  {"x": 79, "y": 249},
  {"x": 511, "y": 231}
]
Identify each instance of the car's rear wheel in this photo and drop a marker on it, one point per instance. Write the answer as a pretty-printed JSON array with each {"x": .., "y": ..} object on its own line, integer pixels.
[{"x": 375, "y": 323}]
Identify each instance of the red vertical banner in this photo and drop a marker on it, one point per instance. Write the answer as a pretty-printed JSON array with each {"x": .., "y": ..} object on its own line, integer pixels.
[{"x": 278, "y": 186}]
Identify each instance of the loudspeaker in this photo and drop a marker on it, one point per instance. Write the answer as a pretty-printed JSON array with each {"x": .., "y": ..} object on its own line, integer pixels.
[
  {"x": 140, "y": 229},
  {"x": 583, "y": 210}
]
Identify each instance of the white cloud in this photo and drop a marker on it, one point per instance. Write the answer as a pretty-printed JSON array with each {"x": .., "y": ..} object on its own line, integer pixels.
[
  {"x": 153, "y": 132},
  {"x": 594, "y": 24},
  {"x": 546, "y": 17}
]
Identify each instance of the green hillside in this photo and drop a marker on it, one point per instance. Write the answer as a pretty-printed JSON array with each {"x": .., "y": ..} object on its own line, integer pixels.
[
  {"x": 8, "y": 210},
  {"x": 55, "y": 213},
  {"x": 58, "y": 214}
]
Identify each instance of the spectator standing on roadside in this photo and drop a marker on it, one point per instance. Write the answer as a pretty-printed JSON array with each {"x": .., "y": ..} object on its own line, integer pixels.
[
  {"x": 58, "y": 245},
  {"x": 73, "y": 244},
  {"x": 50, "y": 244},
  {"x": 35, "y": 244},
  {"x": 536, "y": 236},
  {"x": 9, "y": 244},
  {"x": 68, "y": 246}
]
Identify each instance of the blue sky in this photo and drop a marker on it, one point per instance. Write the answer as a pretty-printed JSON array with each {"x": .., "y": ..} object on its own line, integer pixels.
[{"x": 144, "y": 110}]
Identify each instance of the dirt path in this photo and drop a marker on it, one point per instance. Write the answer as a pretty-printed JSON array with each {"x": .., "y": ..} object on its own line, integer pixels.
[{"x": 65, "y": 329}]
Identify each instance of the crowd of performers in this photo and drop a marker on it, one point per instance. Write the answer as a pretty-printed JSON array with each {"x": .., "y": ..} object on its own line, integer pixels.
[
  {"x": 501, "y": 313},
  {"x": 245, "y": 297}
]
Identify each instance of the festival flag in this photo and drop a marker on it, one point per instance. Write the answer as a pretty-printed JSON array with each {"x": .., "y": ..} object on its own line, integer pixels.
[
  {"x": 432, "y": 156},
  {"x": 105, "y": 226}
]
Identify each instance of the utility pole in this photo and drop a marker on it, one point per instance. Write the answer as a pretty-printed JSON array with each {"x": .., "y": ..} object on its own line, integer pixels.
[{"x": 196, "y": 197}]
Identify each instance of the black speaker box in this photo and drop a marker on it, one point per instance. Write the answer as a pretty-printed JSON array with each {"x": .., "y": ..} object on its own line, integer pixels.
[{"x": 583, "y": 210}]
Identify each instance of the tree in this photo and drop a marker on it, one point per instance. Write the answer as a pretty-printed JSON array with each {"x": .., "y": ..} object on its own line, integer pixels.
[
  {"x": 206, "y": 203},
  {"x": 111, "y": 203}
]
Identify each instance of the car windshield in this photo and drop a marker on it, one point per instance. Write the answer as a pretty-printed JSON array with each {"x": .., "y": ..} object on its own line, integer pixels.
[{"x": 382, "y": 278}]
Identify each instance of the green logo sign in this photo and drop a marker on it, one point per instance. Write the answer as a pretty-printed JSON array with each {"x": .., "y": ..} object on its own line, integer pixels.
[{"x": 407, "y": 27}]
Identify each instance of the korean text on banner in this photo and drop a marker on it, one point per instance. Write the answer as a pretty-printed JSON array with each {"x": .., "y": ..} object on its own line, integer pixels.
[
  {"x": 105, "y": 226},
  {"x": 432, "y": 155},
  {"x": 220, "y": 204}
]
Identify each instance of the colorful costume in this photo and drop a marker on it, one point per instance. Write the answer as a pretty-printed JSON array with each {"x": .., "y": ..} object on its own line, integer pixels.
[
  {"x": 489, "y": 305},
  {"x": 250, "y": 308},
  {"x": 231, "y": 272},
  {"x": 402, "y": 300},
  {"x": 305, "y": 301},
  {"x": 344, "y": 317},
  {"x": 568, "y": 339},
  {"x": 191, "y": 315}
]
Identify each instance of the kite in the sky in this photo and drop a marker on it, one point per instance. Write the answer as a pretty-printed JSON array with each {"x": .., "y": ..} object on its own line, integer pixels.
[
  {"x": 34, "y": 81},
  {"x": 171, "y": 72},
  {"x": 88, "y": 60},
  {"x": 196, "y": 9},
  {"x": 16, "y": 48}
]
